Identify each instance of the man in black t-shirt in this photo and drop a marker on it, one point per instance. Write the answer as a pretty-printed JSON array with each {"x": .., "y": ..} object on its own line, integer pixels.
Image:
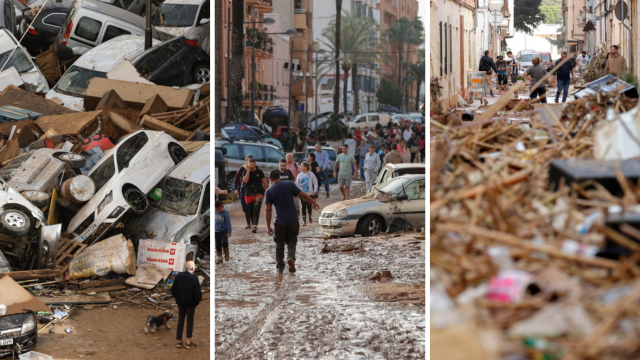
[
  {"x": 285, "y": 174},
  {"x": 255, "y": 184},
  {"x": 514, "y": 68}
]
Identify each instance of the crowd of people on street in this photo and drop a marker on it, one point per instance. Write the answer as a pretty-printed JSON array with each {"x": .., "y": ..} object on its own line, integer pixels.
[{"x": 563, "y": 72}]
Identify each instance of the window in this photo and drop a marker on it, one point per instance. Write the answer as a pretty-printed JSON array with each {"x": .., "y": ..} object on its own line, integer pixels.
[
  {"x": 113, "y": 32},
  {"x": 233, "y": 151},
  {"x": 206, "y": 200},
  {"x": 88, "y": 29},
  {"x": 53, "y": 20},
  {"x": 205, "y": 12},
  {"x": 450, "y": 49},
  {"x": 150, "y": 61},
  {"x": 255, "y": 151},
  {"x": 441, "y": 73},
  {"x": 76, "y": 79},
  {"x": 273, "y": 155},
  {"x": 446, "y": 52},
  {"x": 416, "y": 191},
  {"x": 127, "y": 3},
  {"x": 103, "y": 173},
  {"x": 375, "y": 118},
  {"x": 130, "y": 148},
  {"x": 8, "y": 9}
]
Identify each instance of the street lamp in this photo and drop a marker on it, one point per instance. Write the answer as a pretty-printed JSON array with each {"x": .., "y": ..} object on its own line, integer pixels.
[
  {"x": 318, "y": 52},
  {"x": 265, "y": 21}
]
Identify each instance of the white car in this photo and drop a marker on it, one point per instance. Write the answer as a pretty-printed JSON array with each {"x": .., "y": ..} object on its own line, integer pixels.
[
  {"x": 21, "y": 61},
  {"x": 369, "y": 120},
  {"x": 188, "y": 18},
  {"x": 123, "y": 178},
  {"x": 96, "y": 62},
  {"x": 401, "y": 199},
  {"x": 34, "y": 240},
  {"x": 184, "y": 208},
  {"x": 416, "y": 117}
]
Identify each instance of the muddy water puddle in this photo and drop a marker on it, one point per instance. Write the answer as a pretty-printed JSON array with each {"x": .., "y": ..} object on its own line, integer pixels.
[{"x": 328, "y": 309}]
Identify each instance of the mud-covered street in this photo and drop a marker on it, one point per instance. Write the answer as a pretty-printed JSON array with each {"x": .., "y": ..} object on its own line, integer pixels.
[{"x": 328, "y": 309}]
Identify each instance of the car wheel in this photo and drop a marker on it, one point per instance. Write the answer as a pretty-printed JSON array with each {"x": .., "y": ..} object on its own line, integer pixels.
[
  {"x": 37, "y": 198},
  {"x": 15, "y": 223},
  {"x": 231, "y": 184},
  {"x": 74, "y": 161},
  {"x": 201, "y": 74},
  {"x": 137, "y": 200},
  {"x": 370, "y": 225},
  {"x": 177, "y": 153}
]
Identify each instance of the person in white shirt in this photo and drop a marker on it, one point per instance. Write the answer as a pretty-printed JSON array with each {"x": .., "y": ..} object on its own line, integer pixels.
[
  {"x": 308, "y": 183},
  {"x": 406, "y": 135},
  {"x": 583, "y": 61},
  {"x": 371, "y": 167},
  {"x": 351, "y": 144}
]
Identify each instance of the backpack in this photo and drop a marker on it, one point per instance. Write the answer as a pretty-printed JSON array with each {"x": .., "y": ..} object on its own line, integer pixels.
[{"x": 484, "y": 64}]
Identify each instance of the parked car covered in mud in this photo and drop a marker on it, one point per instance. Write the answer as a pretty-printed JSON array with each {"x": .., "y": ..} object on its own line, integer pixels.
[
  {"x": 12, "y": 54},
  {"x": 399, "y": 200},
  {"x": 390, "y": 171},
  {"x": 123, "y": 177},
  {"x": 188, "y": 18},
  {"x": 36, "y": 173},
  {"x": 33, "y": 245},
  {"x": 183, "y": 211}
]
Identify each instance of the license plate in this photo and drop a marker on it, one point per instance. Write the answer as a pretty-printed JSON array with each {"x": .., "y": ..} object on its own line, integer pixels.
[
  {"x": 89, "y": 231},
  {"x": 325, "y": 222},
  {"x": 6, "y": 342}
]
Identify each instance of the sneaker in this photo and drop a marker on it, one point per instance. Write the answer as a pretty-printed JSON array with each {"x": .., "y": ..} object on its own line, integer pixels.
[
  {"x": 292, "y": 265},
  {"x": 327, "y": 195},
  {"x": 310, "y": 220},
  {"x": 304, "y": 221},
  {"x": 255, "y": 229}
]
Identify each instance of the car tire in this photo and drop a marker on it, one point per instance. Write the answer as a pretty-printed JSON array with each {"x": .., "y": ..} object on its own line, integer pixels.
[
  {"x": 74, "y": 161},
  {"x": 231, "y": 184},
  {"x": 177, "y": 153},
  {"x": 137, "y": 200},
  {"x": 15, "y": 223},
  {"x": 201, "y": 74},
  {"x": 370, "y": 225},
  {"x": 37, "y": 198}
]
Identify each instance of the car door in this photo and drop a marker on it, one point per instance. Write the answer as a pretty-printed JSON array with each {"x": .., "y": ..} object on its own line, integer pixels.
[
  {"x": 413, "y": 208},
  {"x": 139, "y": 159},
  {"x": 167, "y": 65},
  {"x": 113, "y": 30},
  {"x": 258, "y": 155},
  {"x": 202, "y": 27},
  {"x": 87, "y": 32},
  {"x": 273, "y": 157}
]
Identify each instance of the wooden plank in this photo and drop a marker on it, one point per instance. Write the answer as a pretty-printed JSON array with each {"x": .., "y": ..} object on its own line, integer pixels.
[
  {"x": 492, "y": 110},
  {"x": 102, "y": 289},
  {"x": 135, "y": 94},
  {"x": 11, "y": 150},
  {"x": 123, "y": 124},
  {"x": 154, "y": 104},
  {"x": 192, "y": 146},
  {"x": 155, "y": 124},
  {"x": 33, "y": 274},
  {"x": 68, "y": 124},
  {"x": 99, "y": 298},
  {"x": 100, "y": 283},
  {"x": 111, "y": 100},
  {"x": 25, "y": 100}
]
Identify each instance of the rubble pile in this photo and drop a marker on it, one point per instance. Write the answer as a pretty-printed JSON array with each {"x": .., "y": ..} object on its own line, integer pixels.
[
  {"x": 535, "y": 237},
  {"x": 595, "y": 69}
]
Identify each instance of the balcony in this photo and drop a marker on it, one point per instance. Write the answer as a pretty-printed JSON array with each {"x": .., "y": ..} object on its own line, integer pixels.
[
  {"x": 297, "y": 87},
  {"x": 261, "y": 5},
  {"x": 299, "y": 44},
  {"x": 300, "y": 21},
  {"x": 264, "y": 95},
  {"x": 302, "y": 6},
  {"x": 263, "y": 43}
]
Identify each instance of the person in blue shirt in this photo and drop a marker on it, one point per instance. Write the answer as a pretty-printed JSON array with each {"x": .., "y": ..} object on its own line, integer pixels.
[
  {"x": 223, "y": 231},
  {"x": 322, "y": 157},
  {"x": 564, "y": 74}
]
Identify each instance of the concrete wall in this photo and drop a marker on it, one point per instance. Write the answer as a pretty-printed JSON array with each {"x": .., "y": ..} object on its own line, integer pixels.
[{"x": 274, "y": 72}]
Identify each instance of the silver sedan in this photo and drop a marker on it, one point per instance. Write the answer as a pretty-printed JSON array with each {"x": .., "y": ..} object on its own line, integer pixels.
[{"x": 401, "y": 198}]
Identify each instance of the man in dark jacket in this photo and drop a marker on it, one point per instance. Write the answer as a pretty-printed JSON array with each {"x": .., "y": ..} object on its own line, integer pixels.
[
  {"x": 486, "y": 64},
  {"x": 563, "y": 73},
  {"x": 186, "y": 291}
]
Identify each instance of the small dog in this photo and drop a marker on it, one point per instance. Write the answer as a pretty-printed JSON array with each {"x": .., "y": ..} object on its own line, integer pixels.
[{"x": 153, "y": 322}]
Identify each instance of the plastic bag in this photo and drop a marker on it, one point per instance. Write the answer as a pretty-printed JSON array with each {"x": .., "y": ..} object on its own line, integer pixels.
[{"x": 113, "y": 254}]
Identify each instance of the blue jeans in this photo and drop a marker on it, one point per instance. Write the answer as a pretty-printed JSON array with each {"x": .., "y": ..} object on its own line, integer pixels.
[
  {"x": 324, "y": 175},
  {"x": 361, "y": 167},
  {"x": 563, "y": 85}
]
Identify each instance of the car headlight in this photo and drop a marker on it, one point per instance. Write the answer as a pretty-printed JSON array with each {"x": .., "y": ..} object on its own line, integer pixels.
[
  {"x": 115, "y": 213},
  {"x": 28, "y": 325},
  {"x": 107, "y": 199},
  {"x": 38, "y": 82},
  {"x": 341, "y": 213}
]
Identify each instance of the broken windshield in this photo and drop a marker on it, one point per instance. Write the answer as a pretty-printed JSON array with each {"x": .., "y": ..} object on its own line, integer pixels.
[
  {"x": 175, "y": 15},
  {"x": 75, "y": 80},
  {"x": 18, "y": 60},
  {"x": 12, "y": 321},
  {"x": 103, "y": 173},
  {"x": 179, "y": 196}
]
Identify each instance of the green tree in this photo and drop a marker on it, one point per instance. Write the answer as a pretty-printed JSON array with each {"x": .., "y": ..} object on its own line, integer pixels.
[
  {"x": 527, "y": 16},
  {"x": 418, "y": 71},
  {"x": 389, "y": 93},
  {"x": 405, "y": 32},
  {"x": 358, "y": 45}
]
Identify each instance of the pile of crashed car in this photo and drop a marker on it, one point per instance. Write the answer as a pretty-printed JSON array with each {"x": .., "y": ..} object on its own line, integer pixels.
[{"x": 101, "y": 142}]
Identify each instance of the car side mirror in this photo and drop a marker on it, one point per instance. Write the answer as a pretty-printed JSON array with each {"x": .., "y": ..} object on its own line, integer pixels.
[
  {"x": 204, "y": 21},
  {"x": 35, "y": 61},
  {"x": 402, "y": 197}
]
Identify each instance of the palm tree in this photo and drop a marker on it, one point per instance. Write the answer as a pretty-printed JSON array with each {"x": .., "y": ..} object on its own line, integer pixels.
[
  {"x": 418, "y": 71},
  {"x": 336, "y": 89},
  {"x": 218, "y": 55},
  {"x": 405, "y": 32},
  {"x": 359, "y": 46},
  {"x": 237, "y": 65}
]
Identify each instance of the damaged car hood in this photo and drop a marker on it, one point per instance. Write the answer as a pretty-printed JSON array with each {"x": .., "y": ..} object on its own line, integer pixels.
[
  {"x": 347, "y": 203},
  {"x": 159, "y": 226}
]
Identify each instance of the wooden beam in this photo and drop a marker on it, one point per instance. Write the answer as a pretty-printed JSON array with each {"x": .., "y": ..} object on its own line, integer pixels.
[
  {"x": 123, "y": 124},
  {"x": 154, "y": 105},
  {"x": 99, "y": 283},
  {"x": 102, "y": 289},
  {"x": 44, "y": 274},
  {"x": 155, "y": 124}
]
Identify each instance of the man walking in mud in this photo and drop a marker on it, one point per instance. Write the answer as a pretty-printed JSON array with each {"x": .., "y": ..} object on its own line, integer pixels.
[
  {"x": 255, "y": 184},
  {"x": 280, "y": 195}
]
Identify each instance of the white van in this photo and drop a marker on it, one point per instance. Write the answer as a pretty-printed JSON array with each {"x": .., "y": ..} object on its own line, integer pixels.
[
  {"x": 97, "y": 62},
  {"x": 90, "y": 23},
  {"x": 369, "y": 120}
]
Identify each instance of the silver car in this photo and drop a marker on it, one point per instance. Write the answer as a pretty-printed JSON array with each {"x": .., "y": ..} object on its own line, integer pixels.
[
  {"x": 184, "y": 208},
  {"x": 401, "y": 198}
]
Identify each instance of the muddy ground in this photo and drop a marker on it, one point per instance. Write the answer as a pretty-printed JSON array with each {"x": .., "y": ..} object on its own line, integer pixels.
[
  {"x": 103, "y": 333},
  {"x": 328, "y": 309}
]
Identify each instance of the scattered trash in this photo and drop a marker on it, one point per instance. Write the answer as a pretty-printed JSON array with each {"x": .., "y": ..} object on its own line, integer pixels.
[{"x": 68, "y": 330}]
